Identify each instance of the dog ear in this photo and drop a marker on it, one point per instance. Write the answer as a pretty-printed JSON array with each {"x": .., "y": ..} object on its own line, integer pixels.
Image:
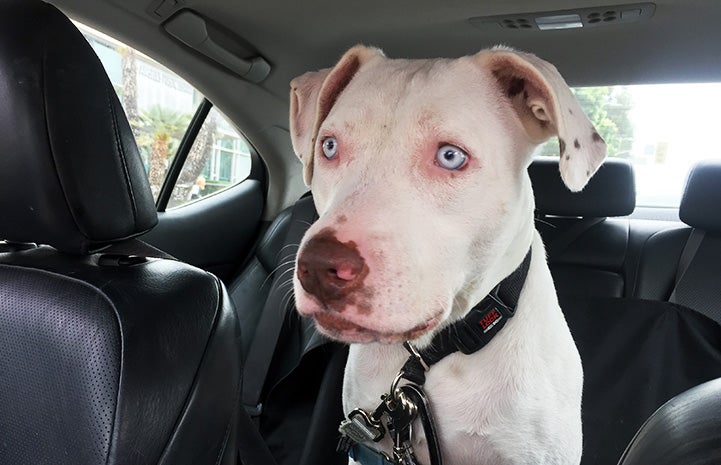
[
  {"x": 303, "y": 102},
  {"x": 546, "y": 107},
  {"x": 313, "y": 95}
]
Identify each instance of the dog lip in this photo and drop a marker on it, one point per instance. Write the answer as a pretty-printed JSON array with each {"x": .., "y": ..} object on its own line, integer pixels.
[{"x": 344, "y": 329}]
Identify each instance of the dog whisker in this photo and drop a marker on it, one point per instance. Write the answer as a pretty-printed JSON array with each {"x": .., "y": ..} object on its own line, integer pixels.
[
  {"x": 545, "y": 222},
  {"x": 275, "y": 270},
  {"x": 287, "y": 246}
]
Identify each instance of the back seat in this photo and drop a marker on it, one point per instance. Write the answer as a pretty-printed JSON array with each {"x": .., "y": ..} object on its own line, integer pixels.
[
  {"x": 683, "y": 265},
  {"x": 640, "y": 317},
  {"x": 604, "y": 265},
  {"x": 586, "y": 246}
]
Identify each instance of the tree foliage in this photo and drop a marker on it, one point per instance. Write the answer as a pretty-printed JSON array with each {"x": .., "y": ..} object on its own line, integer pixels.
[
  {"x": 608, "y": 109},
  {"x": 160, "y": 130},
  {"x": 198, "y": 157}
]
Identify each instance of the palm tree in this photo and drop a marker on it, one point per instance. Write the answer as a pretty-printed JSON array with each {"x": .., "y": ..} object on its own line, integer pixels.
[
  {"x": 160, "y": 131},
  {"x": 198, "y": 157}
]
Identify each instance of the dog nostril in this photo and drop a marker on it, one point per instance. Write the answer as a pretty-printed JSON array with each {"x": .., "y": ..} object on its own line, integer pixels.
[
  {"x": 330, "y": 269},
  {"x": 347, "y": 271}
]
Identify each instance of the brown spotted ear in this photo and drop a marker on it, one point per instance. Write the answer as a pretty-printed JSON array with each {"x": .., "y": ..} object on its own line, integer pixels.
[
  {"x": 546, "y": 107},
  {"x": 313, "y": 95}
]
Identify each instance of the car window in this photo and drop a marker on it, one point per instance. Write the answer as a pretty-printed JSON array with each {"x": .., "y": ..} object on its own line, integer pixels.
[
  {"x": 219, "y": 158},
  {"x": 661, "y": 129},
  {"x": 160, "y": 106}
]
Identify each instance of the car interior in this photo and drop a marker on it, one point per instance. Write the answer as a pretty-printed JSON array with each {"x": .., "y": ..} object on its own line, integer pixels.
[{"x": 146, "y": 311}]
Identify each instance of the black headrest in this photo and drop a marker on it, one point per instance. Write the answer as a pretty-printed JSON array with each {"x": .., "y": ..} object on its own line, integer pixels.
[
  {"x": 701, "y": 201},
  {"x": 610, "y": 192},
  {"x": 70, "y": 171}
]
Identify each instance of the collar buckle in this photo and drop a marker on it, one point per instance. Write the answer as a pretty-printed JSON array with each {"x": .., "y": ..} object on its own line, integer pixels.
[{"x": 416, "y": 355}]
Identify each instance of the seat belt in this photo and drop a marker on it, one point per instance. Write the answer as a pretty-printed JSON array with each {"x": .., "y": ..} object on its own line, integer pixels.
[
  {"x": 123, "y": 252},
  {"x": 270, "y": 324},
  {"x": 565, "y": 239},
  {"x": 689, "y": 251}
]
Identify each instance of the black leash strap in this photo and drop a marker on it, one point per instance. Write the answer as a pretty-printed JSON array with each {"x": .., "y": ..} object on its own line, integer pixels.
[{"x": 418, "y": 396}]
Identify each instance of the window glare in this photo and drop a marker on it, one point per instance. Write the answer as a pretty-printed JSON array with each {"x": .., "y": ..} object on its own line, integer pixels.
[{"x": 662, "y": 129}]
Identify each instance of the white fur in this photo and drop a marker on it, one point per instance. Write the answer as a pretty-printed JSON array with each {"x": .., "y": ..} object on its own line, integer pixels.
[{"x": 437, "y": 241}]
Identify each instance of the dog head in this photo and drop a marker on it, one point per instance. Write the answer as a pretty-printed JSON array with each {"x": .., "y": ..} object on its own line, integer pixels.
[{"x": 418, "y": 173}]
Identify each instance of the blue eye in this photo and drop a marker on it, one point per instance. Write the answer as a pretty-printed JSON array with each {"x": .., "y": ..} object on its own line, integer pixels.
[
  {"x": 451, "y": 157},
  {"x": 330, "y": 147}
]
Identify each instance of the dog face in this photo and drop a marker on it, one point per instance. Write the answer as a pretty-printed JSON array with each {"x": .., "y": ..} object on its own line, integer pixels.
[{"x": 418, "y": 173}]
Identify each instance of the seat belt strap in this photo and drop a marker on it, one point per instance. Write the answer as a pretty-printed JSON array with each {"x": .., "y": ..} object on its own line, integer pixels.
[
  {"x": 689, "y": 251},
  {"x": 565, "y": 239},
  {"x": 134, "y": 248},
  {"x": 277, "y": 305}
]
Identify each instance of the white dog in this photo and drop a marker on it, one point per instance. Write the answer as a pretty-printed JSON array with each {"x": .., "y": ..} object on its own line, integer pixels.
[{"x": 418, "y": 173}]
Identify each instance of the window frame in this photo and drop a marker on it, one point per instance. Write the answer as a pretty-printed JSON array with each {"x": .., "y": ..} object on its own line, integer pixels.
[{"x": 178, "y": 162}]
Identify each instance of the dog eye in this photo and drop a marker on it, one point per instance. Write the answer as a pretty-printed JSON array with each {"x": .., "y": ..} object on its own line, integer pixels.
[
  {"x": 451, "y": 157},
  {"x": 330, "y": 147}
]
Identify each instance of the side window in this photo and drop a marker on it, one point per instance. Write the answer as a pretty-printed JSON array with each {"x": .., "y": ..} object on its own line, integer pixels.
[
  {"x": 219, "y": 158},
  {"x": 160, "y": 106}
]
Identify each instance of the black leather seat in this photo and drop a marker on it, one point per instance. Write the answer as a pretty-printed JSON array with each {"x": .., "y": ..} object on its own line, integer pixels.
[
  {"x": 301, "y": 398},
  {"x": 684, "y": 431},
  {"x": 692, "y": 280},
  {"x": 106, "y": 357},
  {"x": 608, "y": 272},
  {"x": 586, "y": 246}
]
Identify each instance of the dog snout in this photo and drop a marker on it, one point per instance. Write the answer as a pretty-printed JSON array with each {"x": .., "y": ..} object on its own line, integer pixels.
[{"x": 329, "y": 269}]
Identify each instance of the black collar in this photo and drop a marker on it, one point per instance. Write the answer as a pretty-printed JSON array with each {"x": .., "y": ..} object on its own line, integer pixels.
[{"x": 474, "y": 331}]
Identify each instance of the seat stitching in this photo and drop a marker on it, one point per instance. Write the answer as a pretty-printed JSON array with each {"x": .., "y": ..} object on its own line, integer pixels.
[{"x": 121, "y": 153}]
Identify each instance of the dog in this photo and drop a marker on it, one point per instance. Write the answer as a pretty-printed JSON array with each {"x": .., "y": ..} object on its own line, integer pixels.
[{"x": 418, "y": 173}]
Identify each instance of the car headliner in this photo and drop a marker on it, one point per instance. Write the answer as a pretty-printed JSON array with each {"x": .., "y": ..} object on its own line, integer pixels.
[{"x": 678, "y": 44}]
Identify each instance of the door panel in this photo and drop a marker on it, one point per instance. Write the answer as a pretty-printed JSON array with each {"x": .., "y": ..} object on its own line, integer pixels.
[{"x": 215, "y": 233}]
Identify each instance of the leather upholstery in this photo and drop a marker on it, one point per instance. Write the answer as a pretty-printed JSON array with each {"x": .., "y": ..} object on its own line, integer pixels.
[
  {"x": 302, "y": 393},
  {"x": 659, "y": 262},
  {"x": 659, "y": 274},
  {"x": 686, "y": 430},
  {"x": 701, "y": 201},
  {"x": 249, "y": 290},
  {"x": 698, "y": 286},
  {"x": 114, "y": 364},
  {"x": 586, "y": 250},
  {"x": 610, "y": 192},
  {"x": 68, "y": 159}
]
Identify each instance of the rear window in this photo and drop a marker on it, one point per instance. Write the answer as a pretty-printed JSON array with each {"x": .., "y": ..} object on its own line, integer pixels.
[{"x": 662, "y": 129}]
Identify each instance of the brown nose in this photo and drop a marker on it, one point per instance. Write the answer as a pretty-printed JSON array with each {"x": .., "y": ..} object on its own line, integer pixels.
[{"x": 329, "y": 269}]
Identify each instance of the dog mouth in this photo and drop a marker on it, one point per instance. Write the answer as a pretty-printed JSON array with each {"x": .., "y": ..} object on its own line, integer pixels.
[{"x": 344, "y": 330}]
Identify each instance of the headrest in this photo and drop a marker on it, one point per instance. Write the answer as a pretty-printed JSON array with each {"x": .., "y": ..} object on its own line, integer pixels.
[
  {"x": 610, "y": 192},
  {"x": 70, "y": 171},
  {"x": 701, "y": 201}
]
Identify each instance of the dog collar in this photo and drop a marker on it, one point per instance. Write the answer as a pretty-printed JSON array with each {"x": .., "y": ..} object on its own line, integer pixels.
[
  {"x": 406, "y": 402},
  {"x": 474, "y": 331}
]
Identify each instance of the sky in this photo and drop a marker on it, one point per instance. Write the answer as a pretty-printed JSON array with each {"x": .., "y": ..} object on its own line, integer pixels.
[{"x": 684, "y": 116}]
